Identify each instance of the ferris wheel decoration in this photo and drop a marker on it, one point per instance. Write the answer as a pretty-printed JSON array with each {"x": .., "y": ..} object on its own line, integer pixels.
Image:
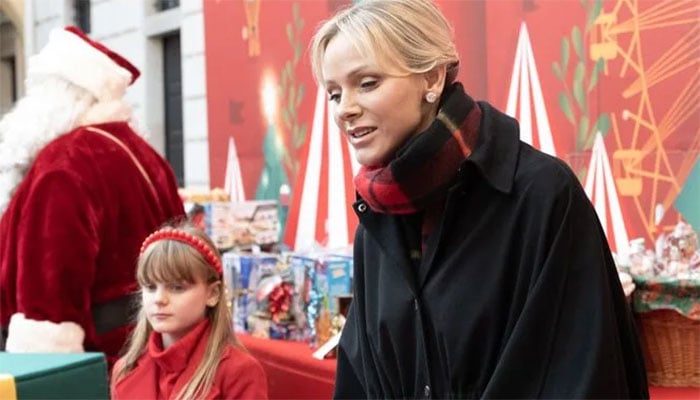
[{"x": 649, "y": 166}]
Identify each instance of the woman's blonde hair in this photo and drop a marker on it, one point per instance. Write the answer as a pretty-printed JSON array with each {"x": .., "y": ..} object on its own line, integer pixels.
[
  {"x": 173, "y": 261},
  {"x": 401, "y": 36}
]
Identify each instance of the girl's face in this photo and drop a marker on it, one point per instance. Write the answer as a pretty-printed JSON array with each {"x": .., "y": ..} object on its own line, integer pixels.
[
  {"x": 174, "y": 308},
  {"x": 377, "y": 112}
]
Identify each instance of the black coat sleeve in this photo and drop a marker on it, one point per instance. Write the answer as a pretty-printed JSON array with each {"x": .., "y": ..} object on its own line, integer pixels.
[
  {"x": 347, "y": 385},
  {"x": 347, "y": 382},
  {"x": 575, "y": 336}
]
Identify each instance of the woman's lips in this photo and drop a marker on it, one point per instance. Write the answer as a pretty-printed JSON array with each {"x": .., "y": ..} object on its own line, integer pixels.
[
  {"x": 358, "y": 135},
  {"x": 360, "y": 131}
]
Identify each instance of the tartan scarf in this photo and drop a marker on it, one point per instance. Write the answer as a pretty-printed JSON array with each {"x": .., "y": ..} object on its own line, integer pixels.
[{"x": 419, "y": 176}]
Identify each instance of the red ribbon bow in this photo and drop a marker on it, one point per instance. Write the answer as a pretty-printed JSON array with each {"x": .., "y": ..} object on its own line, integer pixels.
[{"x": 279, "y": 300}]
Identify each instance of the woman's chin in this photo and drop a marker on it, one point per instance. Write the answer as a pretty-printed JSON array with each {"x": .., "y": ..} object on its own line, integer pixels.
[{"x": 369, "y": 160}]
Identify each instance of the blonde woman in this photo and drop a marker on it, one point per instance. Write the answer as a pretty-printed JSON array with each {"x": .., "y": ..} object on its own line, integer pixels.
[
  {"x": 183, "y": 346},
  {"x": 481, "y": 270}
]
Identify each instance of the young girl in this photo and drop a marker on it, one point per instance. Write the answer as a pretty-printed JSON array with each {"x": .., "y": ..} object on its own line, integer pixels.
[{"x": 183, "y": 346}]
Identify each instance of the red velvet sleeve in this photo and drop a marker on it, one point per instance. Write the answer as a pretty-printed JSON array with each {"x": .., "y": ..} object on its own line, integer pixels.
[{"x": 57, "y": 243}]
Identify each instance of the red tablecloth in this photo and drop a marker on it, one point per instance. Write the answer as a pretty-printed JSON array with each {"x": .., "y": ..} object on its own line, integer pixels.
[
  {"x": 666, "y": 393},
  {"x": 291, "y": 371},
  {"x": 293, "y": 374}
]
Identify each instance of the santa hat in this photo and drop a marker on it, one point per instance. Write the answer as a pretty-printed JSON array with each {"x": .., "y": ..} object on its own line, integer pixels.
[{"x": 71, "y": 55}]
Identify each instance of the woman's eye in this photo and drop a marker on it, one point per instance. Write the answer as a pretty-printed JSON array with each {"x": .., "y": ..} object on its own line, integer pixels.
[
  {"x": 368, "y": 83},
  {"x": 149, "y": 287}
]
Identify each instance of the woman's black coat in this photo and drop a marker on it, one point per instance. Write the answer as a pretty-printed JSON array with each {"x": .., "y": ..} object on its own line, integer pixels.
[{"x": 516, "y": 296}]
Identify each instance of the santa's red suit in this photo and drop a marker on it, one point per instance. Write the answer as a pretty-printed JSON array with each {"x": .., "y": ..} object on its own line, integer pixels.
[{"x": 75, "y": 202}]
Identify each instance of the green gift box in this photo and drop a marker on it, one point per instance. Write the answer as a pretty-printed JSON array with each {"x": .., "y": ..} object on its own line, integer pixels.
[{"x": 57, "y": 375}]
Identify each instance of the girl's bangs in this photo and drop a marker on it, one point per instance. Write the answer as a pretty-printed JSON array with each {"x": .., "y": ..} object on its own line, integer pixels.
[{"x": 167, "y": 261}]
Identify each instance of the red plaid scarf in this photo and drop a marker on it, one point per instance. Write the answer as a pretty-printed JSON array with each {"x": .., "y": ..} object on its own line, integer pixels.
[{"x": 418, "y": 178}]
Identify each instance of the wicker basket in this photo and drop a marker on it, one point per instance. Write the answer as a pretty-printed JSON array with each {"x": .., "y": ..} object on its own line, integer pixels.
[{"x": 671, "y": 348}]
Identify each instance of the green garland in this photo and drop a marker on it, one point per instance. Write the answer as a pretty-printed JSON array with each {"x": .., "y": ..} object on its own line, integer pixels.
[
  {"x": 292, "y": 93},
  {"x": 574, "y": 98}
]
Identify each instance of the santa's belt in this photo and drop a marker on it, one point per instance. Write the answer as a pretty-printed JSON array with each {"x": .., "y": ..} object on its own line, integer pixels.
[{"x": 115, "y": 313}]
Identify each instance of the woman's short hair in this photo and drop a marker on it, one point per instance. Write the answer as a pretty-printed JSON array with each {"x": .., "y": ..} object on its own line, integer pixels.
[{"x": 401, "y": 36}]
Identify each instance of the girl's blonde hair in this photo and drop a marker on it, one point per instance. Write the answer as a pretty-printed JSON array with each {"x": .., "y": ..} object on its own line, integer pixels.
[
  {"x": 173, "y": 261},
  {"x": 401, "y": 36}
]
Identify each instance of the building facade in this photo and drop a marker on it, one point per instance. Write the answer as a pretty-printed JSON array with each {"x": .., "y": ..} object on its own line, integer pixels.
[{"x": 163, "y": 38}]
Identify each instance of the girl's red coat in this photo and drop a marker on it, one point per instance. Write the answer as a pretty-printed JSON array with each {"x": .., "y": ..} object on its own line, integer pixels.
[{"x": 161, "y": 374}]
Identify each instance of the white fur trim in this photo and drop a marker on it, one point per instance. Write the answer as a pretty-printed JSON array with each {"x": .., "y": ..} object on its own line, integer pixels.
[
  {"x": 32, "y": 336},
  {"x": 72, "y": 58},
  {"x": 109, "y": 111}
]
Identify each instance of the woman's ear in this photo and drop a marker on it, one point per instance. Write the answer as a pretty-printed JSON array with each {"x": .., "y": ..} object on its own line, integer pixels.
[
  {"x": 435, "y": 80},
  {"x": 214, "y": 293}
]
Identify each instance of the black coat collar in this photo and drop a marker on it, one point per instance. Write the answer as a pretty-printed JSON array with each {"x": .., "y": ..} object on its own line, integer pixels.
[{"x": 496, "y": 154}]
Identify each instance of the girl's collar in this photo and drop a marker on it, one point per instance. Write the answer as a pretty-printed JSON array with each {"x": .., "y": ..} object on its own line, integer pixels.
[{"x": 176, "y": 357}]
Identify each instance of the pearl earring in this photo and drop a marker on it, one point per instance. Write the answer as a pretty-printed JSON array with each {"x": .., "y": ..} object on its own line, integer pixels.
[{"x": 430, "y": 97}]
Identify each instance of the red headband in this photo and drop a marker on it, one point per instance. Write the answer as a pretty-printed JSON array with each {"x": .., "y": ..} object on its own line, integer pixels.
[{"x": 181, "y": 236}]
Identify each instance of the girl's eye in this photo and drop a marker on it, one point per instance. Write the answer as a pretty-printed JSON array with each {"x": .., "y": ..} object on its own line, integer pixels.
[
  {"x": 149, "y": 287},
  {"x": 334, "y": 97},
  {"x": 177, "y": 287}
]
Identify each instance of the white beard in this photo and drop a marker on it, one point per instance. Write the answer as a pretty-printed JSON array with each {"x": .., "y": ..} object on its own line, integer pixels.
[{"x": 52, "y": 107}]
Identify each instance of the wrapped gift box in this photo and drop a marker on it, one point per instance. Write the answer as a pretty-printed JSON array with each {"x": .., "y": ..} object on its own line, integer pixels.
[
  {"x": 243, "y": 273},
  {"x": 255, "y": 222},
  {"x": 55, "y": 376}
]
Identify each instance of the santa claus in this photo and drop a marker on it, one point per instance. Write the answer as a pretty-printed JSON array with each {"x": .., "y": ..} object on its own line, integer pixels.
[{"x": 79, "y": 192}]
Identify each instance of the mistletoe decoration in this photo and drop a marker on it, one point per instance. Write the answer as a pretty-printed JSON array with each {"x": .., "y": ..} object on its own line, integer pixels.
[
  {"x": 292, "y": 92},
  {"x": 574, "y": 98}
]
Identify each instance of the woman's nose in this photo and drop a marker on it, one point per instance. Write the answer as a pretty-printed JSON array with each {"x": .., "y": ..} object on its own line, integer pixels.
[{"x": 347, "y": 108}]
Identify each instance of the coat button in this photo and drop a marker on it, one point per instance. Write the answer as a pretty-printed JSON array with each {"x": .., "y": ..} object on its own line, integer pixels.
[
  {"x": 426, "y": 391},
  {"x": 362, "y": 207}
]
